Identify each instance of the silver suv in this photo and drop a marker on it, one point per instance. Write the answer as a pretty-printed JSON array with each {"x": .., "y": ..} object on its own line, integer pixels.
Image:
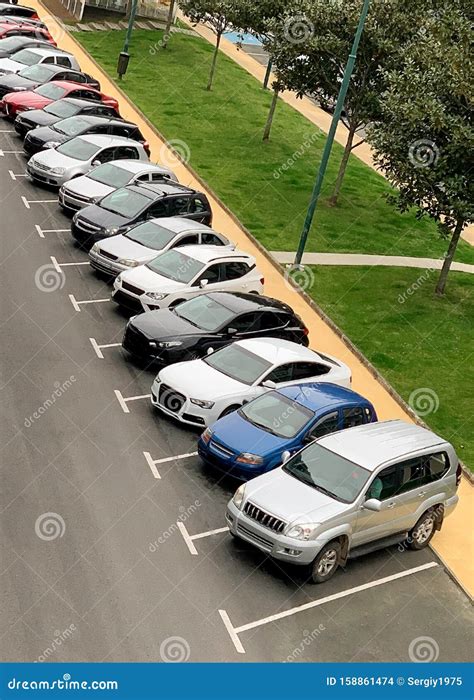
[{"x": 348, "y": 494}]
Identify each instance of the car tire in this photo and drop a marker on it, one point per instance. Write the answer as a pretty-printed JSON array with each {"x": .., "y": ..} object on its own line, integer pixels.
[
  {"x": 421, "y": 535},
  {"x": 326, "y": 563},
  {"x": 229, "y": 409}
]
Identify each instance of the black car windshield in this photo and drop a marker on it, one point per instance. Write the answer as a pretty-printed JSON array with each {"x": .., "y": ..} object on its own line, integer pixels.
[
  {"x": 277, "y": 414},
  {"x": 111, "y": 175},
  {"x": 176, "y": 266},
  {"x": 78, "y": 148},
  {"x": 27, "y": 57},
  {"x": 151, "y": 235},
  {"x": 39, "y": 74},
  {"x": 61, "y": 108},
  {"x": 52, "y": 92},
  {"x": 125, "y": 202},
  {"x": 205, "y": 313},
  {"x": 328, "y": 472},
  {"x": 72, "y": 126},
  {"x": 238, "y": 363}
]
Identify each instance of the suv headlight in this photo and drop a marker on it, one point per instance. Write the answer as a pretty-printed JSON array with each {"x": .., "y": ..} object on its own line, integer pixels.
[
  {"x": 249, "y": 458},
  {"x": 51, "y": 144},
  {"x": 111, "y": 231},
  {"x": 202, "y": 404},
  {"x": 238, "y": 498},
  {"x": 156, "y": 295},
  {"x": 128, "y": 262},
  {"x": 57, "y": 171},
  {"x": 301, "y": 532},
  {"x": 95, "y": 248},
  {"x": 170, "y": 344}
]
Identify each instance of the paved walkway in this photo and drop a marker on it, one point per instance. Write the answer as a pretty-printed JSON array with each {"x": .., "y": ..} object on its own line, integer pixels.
[
  {"x": 454, "y": 543},
  {"x": 305, "y": 106},
  {"x": 357, "y": 259}
]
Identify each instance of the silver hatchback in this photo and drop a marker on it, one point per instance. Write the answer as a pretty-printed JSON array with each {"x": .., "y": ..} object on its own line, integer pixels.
[{"x": 348, "y": 494}]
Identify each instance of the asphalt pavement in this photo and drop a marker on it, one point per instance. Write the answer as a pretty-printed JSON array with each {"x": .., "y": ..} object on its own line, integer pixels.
[{"x": 93, "y": 563}]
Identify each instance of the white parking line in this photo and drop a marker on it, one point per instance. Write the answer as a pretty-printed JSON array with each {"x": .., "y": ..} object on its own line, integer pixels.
[
  {"x": 76, "y": 303},
  {"x": 41, "y": 231},
  {"x": 235, "y": 631},
  {"x": 189, "y": 539},
  {"x": 173, "y": 459},
  {"x": 152, "y": 465},
  {"x": 57, "y": 265},
  {"x": 27, "y": 202},
  {"x": 123, "y": 401},
  {"x": 98, "y": 348},
  {"x": 2, "y": 153},
  {"x": 7, "y": 131},
  {"x": 14, "y": 176}
]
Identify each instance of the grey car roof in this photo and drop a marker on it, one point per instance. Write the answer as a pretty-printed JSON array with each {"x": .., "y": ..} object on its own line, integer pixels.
[
  {"x": 48, "y": 51},
  {"x": 378, "y": 443},
  {"x": 137, "y": 166}
]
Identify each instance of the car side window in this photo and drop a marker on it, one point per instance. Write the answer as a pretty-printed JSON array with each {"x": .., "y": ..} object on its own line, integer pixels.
[
  {"x": 106, "y": 155},
  {"x": 269, "y": 320},
  {"x": 196, "y": 205},
  {"x": 210, "y": 239},
  {"x": 325, "y": 425},
  {"x": 305, "y": 370},
  {"x": 48, "y": 59},
  {"x": 178, "y": 205},
  {"x": 246, "y": 323},
  {"x": 234, "y": 270},
  {"x": 283, "y": 373},
  {"x": 191, "y": 239},
  {"x": 159, "y": 177},
  {"x": 212, "y": 275},
  {"x": 63, "y": 61},
  {"x": 126, "y": 152},
  {"x": 157, "y": 209},
  {"x": 352, "y": 417},
  {"x": 385, "y": 485},
  {"x": 436, "y": 465},
  {"x": 89, "y": 95}
]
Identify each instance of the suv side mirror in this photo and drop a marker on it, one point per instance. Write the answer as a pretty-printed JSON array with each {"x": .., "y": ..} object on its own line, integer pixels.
[
  {"x": 268, "y": 384},
  {"x": 203, "y": 283},
  {"x": 231, "y": 331},
  {"x": 373, "y": 504},
  {"x": 285, "y": 456},
  {"x": 95, "y": 163},
  {"x": 209, "y": 351}
]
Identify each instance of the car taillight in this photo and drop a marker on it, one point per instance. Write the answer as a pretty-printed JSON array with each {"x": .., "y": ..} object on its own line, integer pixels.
[
  {"x": 458, "y": 474},
  {"x": 146, "y": 146},
  {"x": 305, "y": 331}
]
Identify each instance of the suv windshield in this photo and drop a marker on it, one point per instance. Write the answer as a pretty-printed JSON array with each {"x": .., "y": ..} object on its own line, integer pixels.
[
  {"x": 39, "y": 74},
  {"x": 61, "y": 109},
  {"x": 125, "y": 203},
  {"x": 151, "y": 235},
  {"x": 176, "y": 266},
  {"x": 72, "y": 126},
  {"x": 78, "y": 148},
  {"x": 111, "y": 175},
  {"x": 52, "y": 92},
  {"x": 204, "y": 312},
  {"x": 238, "y": 363},
  {"x": 328, "y": 472},
  {"x": 277, "y": 414},
  {"x": 27, "y": 57}
]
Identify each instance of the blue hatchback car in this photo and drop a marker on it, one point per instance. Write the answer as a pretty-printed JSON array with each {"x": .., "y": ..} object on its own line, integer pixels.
[{"x": 251, "y": 440}]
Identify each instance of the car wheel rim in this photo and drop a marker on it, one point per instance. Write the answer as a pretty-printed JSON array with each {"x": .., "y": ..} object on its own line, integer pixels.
[
  {"x": 327, "y": 562},
  {"x": 424, "y": 530}
]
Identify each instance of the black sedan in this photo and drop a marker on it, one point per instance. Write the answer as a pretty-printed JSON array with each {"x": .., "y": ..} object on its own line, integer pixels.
[
  {"x": 118, "y": 211},
  {"x": 7, "y": 8},
  {"x": 52, "y": 136},
  {"x": 31, "y": 77},
  {"x": 12, "y": 44},
  {"x": 190, "y": 329},
  {"x": 61, "y": 109}
]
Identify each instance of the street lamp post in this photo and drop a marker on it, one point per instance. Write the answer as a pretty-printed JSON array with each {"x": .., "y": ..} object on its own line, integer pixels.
[
  {"x": 331, "y": 134},
  {"x": 124, "y": 56}
]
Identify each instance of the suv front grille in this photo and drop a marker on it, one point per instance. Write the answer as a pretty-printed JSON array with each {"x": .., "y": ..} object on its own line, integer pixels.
[
  {"x": 220, "y": 448},
  {"x": 263, "y": 518},
  {"x": 105, "y": 254},
  {"x": 132, "y": 288}
]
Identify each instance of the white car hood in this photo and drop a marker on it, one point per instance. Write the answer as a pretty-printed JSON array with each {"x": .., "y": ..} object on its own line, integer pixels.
[
  {"x": 198, "y": 380},
  {"x": 52, "y": 159},
  {"x": 87, "y": 187},
  {"x": 125, "y": 248},
  {"x": 150, "y": 281},
  {"x": 7, "y": 65}
]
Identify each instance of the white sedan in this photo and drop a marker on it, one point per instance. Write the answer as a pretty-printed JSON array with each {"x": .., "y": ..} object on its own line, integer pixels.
[{"x": 198, "y": 392}]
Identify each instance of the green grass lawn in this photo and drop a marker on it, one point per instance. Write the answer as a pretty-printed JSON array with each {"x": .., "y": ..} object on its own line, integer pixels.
[
  {"x": 418, "y": 343},
  {"x": 223, "y": 130}
]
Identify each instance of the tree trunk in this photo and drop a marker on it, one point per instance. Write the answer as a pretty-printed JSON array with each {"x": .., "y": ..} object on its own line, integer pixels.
[
  {"x": 271, "y": 113},
  {"x": 169, "y": 22},
  {"x": 453, "y": 244},
  {"x": 343, "y": 165},
  {"x": 214, "y": 61}
]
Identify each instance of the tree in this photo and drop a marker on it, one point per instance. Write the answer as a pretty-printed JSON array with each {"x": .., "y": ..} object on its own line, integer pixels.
[
  {"x": 219, "y": 16},
  {"x": 424, "y": 142},
  {"x": 310, "y": 45}
]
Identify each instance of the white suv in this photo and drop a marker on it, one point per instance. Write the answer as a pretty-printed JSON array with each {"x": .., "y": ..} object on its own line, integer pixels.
[{"x": 182, "y": 273}]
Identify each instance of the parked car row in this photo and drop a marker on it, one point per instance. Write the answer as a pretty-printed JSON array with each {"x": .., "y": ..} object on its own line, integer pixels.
[{"x": 324, "y": 481}]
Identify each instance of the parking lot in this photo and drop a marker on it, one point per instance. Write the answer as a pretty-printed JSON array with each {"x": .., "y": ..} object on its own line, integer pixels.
[{"x": 140, "y": 567}]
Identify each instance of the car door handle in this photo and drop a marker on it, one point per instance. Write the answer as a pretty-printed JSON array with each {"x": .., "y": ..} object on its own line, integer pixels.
[
  {"x": 422, "y": 493},
  {"x": 391, "y": 505}
]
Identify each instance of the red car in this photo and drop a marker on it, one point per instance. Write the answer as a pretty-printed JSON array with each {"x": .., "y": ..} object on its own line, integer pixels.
[
  {"x": 15, "y": 102},
  {"x": 24, "y": 29}
]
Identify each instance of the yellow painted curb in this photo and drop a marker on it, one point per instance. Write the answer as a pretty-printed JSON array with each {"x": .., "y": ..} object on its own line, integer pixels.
[{"x": 454, "y": 544}]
